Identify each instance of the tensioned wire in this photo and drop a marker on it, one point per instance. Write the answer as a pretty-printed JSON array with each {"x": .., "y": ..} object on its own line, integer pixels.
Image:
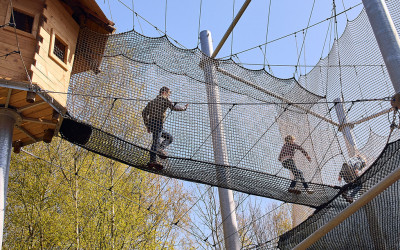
[
  {"x": 18, "y": 46},
  {"x": 310, "y": 26},
  {"x": 388, "y": 98},
  {"x": 304, "y": 37},
  {"x": 291, "y": 34}
]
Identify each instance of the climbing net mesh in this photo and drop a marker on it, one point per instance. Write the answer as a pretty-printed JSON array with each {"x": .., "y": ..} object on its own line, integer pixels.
[{"x": 234, "y": 127}]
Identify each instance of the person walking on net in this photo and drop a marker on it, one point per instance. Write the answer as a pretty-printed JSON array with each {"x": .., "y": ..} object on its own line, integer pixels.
[
  {"x": 286, "y": 157},
  {"x": 349, "y": 172},
  {"x": 154, "y": 117}
]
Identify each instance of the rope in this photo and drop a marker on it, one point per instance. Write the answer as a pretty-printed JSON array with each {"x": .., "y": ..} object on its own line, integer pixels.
[
  {"x": 137, "y": 15},
  {"x": 291, "y": 34},
  {"x": 19, "y": 49},
  {"x": 387, "y": 99}
]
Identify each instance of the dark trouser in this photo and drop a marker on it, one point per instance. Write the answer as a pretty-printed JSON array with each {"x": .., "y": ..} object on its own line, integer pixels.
[
  {"x": 156, "y": 128},
  {"x": 355, "y": 187},
  {"x": 298, "y": 175}
]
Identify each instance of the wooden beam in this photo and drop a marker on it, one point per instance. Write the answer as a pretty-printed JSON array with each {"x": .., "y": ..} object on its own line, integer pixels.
[
  {"x": 38, "y": 120},
  {"x": 26, "y": 132},
  {"x": 8, "y": 98},
  {"x": 30, "y": 106}
]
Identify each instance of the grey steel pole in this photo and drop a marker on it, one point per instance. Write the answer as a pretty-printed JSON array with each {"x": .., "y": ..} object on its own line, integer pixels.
[
  {"x": 346, "y": 130},
  {"x": 227, "y": 203},
  {"x": 8, "y": 118},
  {"x": 375, "y": 229},
  {"x": 386, "y": 36}
]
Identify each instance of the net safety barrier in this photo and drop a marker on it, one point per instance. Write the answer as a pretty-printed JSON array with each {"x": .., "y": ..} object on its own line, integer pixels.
[
  {"x": 236, "y": 122},
  {"x": 235, "y": 125}
]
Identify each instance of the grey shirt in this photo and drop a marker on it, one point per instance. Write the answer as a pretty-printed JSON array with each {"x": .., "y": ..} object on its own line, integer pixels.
[{"x": 155, "y": 110}]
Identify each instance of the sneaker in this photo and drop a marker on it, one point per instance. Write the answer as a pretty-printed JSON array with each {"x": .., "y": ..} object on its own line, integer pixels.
[
  {"x": 162, "y": 154},
  {"x": 294, "y": 190},
  {"x": 347, "y": 198},
  {"x": 155, "y": 165},
  {"x": 309, "y": 191}
]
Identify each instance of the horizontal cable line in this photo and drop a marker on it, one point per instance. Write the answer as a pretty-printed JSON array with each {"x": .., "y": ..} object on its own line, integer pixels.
[
  {"x": 293, "y": 33},
  {"x": 389, "y": 98},
  {"x": 313, "y": 66}
]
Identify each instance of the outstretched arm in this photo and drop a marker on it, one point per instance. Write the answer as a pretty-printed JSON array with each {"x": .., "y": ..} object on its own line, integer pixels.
[
  {"x": 176, "y": 107},
  {"x": 304, "y": 152}
]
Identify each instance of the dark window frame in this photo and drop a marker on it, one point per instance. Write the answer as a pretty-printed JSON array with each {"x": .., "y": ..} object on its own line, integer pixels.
[
  {"x": 60, "y": 49},
  {"x": 23, "y": 21}
]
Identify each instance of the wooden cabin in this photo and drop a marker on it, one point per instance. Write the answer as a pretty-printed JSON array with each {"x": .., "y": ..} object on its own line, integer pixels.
[{"x": 38, "y": 53}]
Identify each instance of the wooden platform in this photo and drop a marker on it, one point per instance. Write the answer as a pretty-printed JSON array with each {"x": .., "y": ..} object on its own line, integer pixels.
[{"x": 37, "y": 117}]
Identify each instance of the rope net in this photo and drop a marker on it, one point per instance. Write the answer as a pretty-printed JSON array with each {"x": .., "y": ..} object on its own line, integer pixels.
[
  {"x": 234, "y": 127},
  {"x": 237, "y": 120}
]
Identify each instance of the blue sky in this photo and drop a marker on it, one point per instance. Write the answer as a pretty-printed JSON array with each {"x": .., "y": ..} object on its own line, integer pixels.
[{"x": 181, "y": 19}]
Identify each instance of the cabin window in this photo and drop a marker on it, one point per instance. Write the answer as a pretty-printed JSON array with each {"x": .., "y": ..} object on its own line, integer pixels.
[
  {"x": 60, "y": 49},
  {"x": 23, "y": 21}
]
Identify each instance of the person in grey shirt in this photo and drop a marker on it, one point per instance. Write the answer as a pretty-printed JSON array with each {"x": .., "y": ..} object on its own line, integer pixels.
[
  {"x": 349, "y": 173},
  {"x": 154, "y": 115}
]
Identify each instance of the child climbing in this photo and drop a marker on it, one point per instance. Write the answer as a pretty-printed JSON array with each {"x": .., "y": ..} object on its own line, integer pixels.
[
  {"x": 154, "y": 117},
  {"x": 286, "y": 157},
  {"x": 349, "y": 172}
]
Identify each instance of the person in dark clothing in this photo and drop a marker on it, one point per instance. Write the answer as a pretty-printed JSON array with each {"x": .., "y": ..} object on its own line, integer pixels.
[
  {"x": 154, "y": 117},
  {"x": 286, "y": 157},
  {"x": 349, "y": 173}
]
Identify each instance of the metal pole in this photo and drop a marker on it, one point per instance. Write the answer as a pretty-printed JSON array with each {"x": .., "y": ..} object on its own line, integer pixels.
[
  {"x": 227, "y": 203},
  {"x": 7, "y": 120},
  {"x": 346, "y": 130},
  {"x": 228, "y": 32},
  {"x": 354, "y": 207},
  {"x": 386, "y": 36}
]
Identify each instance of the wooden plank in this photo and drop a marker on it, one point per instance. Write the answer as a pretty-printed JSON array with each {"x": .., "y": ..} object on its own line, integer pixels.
[
  {"x": 59, "y": 19},
  {"x": 3, "y": 9},
  {"x": 8, "y": 37},
  {"x": 51, "y": 65},
  {"x": 18, "y": 99},
  {"x": 53, "y": 71},
  {"x": 26, "y": 52},
  {"x": 31, "y": 106},
  {"x": 39, "y": 121},
  {"x": 28, "y": 5},
  {"x": 44, "y": 112},
  {"x": 15, "y": 66},
  {"x": 47, "y": 79},
  {"x": 17, "y": 96},
  {"x": 44, "y": 83},
  {"x": 3, "y": 93},
  {"x": 27, "y": 132}
]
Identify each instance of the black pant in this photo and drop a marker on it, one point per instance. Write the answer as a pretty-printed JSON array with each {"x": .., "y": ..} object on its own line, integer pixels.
[
  {"x": 298, "y": 175},
  {"x": 156, "y": 128}
]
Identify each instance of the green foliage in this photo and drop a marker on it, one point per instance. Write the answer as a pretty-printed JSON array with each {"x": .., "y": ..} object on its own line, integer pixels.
[{"x": 70, "y": 198}]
